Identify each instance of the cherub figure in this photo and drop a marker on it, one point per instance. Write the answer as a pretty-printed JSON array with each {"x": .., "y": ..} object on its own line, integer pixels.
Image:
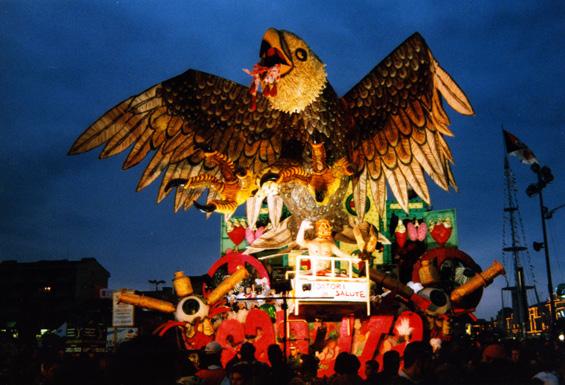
[{"x": 321, "y": 246}]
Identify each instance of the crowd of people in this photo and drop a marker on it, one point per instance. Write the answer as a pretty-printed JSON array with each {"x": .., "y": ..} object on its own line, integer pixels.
[{"x": 151, "y": 360}]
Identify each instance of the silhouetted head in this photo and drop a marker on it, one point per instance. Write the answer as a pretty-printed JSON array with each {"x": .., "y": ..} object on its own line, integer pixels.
[
  {"x": 275, "y": 354},
  {"x": 417, "y": 357},
  {"x": 240, "y": 374},
  {"x": 247, "y": 352},
  {"x": 309, "y": 366},
  {"x": 145, "y": 360},
  {"x": 391, "y": 362},
  {"x": 341, "y": 363},
  {"x": 371, "y": 368}
]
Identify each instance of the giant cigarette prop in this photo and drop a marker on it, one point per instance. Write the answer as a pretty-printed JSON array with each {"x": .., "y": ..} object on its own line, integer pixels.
[
  {"x": 478, "y": 281},
  {"x": 399, "y": 288},
  {"x": 182, "y": 285},
  {"x": 146, "y": 302},
  {"x": 227, "y": 284}
]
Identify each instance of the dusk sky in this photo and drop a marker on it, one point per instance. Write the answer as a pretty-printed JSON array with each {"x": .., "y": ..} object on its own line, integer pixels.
[{"x": 64, "y": 63}]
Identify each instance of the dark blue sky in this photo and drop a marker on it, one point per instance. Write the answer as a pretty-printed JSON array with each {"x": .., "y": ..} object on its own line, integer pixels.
[{"x": 64, "y": 63}]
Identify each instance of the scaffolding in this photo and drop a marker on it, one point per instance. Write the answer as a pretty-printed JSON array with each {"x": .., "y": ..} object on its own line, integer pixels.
[{"x": 514, "y": 250}]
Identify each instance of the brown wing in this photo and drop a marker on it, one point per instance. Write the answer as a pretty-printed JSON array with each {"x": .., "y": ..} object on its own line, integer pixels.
[
  {"x": 400, "y": 122},
  {"x": 177, "y": 119}
]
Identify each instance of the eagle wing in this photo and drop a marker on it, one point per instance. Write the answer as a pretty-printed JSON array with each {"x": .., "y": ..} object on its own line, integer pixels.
[
  {"x": 400, "y": 123},
  {"x": 181, "y": 118}
]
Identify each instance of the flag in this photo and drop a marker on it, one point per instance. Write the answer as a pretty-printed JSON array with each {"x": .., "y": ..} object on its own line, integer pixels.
[
  {"x": 515, "y": 147},
  {"x": 61, "y": 331}
]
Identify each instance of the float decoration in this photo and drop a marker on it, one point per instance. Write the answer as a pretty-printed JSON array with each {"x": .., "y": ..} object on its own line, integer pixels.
[
  {"x": 478, "y": 281},
  {"x": 193, "y": 313},
  {"x": 146, "y": 302},
  {"x": 209, "y": 133},
  {"x": 259, "y": 318},
  {"x": 301, "y": 147}
]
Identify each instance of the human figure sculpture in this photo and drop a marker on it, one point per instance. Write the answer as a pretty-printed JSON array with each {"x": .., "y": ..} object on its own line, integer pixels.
[{"x": 321, "y": 246}]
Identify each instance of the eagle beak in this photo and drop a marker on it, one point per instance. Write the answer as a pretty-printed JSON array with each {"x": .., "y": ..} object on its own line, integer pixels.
[{"x": 272, "y": 51}]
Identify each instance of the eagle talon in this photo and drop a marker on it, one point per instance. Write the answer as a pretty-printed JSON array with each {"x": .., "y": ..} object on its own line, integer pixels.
[
  {"x": 269, "y": 177},
  {"x": 176, "y": 183},
  {"x": 205, "y": 147},
  {"x": 209, "y": 208},
  {"x": 317, "y": 138},
  {"x": 241, "y": 172},
  {"x": 209, "y": 153}
]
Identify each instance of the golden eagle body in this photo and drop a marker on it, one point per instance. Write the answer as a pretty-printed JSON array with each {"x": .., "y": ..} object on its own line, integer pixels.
[{"x": 210, "y": 134}]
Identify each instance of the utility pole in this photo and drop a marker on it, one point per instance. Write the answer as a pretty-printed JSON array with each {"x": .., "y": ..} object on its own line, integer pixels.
[
  {"x": 544, "y": 176},
  {"x": 519, "y": 297},
  {"x": 156, "y": 283}
]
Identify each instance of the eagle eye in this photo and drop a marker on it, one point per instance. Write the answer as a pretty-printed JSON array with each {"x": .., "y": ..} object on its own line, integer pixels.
[{"x": 301, "y": 54}]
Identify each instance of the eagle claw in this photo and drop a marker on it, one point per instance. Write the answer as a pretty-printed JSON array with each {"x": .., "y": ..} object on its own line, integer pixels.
[
  {"x": 205, "y": 208},
  {"x": 205, "y": 147},
  {"x": 176, "y": 183},
  {"x": 240, "y": 171},
  {"x": 318, "y": 138},
  {"x": 269, "y": 177}
]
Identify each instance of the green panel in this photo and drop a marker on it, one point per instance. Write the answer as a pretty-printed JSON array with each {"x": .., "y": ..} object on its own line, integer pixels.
[
  {"x": 421, "y": 211},
  {"x": 417, "y": 210},
  {"x": 225, "y": 241},
  {"x": 445, "y": 218}
]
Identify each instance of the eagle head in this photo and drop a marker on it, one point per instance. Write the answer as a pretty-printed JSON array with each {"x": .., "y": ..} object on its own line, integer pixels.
[{"x": 301, "y": 74}]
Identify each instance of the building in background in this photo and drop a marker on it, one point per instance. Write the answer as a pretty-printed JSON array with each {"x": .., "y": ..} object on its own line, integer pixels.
[
  {"x": 44, "y": 295},
  {"x": 537, "y": 319}
]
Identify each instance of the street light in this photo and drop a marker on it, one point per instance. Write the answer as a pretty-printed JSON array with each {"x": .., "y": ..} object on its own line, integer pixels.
[
  {"x": 544, "y": 177},
  {"x": 156, "y": 283},
  {"x": 548, "y": 214}
]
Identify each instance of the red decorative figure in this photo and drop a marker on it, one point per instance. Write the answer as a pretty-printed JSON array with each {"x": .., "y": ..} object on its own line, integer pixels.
[
  {"x": 400, "y": 234},
  {"x": 237, "y": 235},
  {"x": 441, "y": 232}
]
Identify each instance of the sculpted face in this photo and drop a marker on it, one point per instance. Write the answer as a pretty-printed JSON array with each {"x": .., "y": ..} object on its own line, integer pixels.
[
  {"x": 323, "y": 229},
  {"x": 302, "y": 73}
]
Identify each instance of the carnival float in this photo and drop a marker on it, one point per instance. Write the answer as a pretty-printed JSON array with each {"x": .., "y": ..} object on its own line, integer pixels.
[{"x": 322, "y": 261}]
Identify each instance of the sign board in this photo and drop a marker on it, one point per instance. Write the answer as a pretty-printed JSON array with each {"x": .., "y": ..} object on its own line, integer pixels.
[
  {"x": 338, "y": 291},
  {"x": 122, "y": 313},
  {"x": 85, "y": 339},
  {"x": 115, "y": 336},
  {"x": 106, "y": 293}
]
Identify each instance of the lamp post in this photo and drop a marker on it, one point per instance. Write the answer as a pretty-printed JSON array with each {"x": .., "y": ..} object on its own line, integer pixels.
[
  {"x": 156, "y": 283},
  {"x": 544, "y": 177},
  {"x": 548, "y": 214}
]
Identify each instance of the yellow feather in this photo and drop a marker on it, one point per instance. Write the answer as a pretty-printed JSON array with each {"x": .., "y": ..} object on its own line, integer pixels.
[
  {"x": 398, "y": 186},
  {"x": 451, "y": 91}
]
